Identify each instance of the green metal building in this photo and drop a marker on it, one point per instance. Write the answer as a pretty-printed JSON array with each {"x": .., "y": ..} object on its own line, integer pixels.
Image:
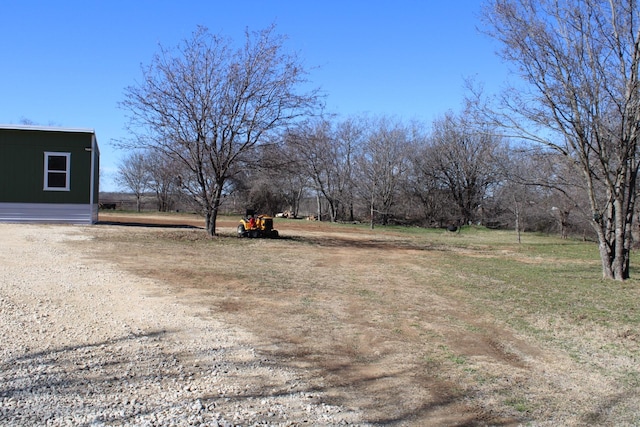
[{"x": 48, "y": 175}]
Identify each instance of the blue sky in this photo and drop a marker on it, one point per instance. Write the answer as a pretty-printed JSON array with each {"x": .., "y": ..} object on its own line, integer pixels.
[{"x": 66, "y": 63}]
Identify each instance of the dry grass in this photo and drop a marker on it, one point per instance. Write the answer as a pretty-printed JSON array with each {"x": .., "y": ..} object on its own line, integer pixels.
[{"x": 415, "y": 327}]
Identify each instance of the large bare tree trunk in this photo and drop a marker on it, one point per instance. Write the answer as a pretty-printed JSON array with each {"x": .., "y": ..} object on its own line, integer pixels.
[{"x": 579, "y": 62}]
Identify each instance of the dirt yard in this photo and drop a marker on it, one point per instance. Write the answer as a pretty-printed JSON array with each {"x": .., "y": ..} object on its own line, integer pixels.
[
  {"x": 359, "y": 351},
  {"x": 349, "y": 320}
]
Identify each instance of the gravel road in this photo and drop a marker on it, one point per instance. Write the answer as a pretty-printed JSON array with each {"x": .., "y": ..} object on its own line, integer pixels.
[{"x": 83, "y": 343}]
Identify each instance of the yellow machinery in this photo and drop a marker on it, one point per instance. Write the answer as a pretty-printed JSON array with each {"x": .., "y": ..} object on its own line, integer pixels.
[{"x": 256, "y": 226}]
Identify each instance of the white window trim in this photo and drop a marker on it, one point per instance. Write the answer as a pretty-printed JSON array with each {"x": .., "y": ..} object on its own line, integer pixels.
[{"x": 67, "y": 172}]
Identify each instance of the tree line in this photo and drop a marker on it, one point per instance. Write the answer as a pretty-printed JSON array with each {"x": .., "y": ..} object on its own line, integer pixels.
[
  {"x": 382, "y": 171},
  {"x": 559, "y": 149}
]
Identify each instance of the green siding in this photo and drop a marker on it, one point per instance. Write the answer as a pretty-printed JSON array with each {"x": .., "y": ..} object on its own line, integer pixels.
[
  {"x": 96, "y": 174},
  {"x": 22, "y": 165}
]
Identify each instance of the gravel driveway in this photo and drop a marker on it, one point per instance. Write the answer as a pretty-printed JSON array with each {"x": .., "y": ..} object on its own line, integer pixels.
[{"x": 83, "y": 343}]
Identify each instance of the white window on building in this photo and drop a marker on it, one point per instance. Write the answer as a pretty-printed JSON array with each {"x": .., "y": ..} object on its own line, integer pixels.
[{"x": 57, "y": 168}]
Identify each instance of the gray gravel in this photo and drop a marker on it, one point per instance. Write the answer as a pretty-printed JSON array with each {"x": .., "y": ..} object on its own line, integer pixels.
[{"x": 86, "y": 344}]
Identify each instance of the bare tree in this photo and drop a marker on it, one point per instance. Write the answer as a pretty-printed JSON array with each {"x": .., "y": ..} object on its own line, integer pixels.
[
  {"x": 325, "y": 154},
  {"x": 350, "y": 134},
  {"x": 163, "y": 179},
  {"x": 310, "y": 143},
  {"x": 463, "y": 160},
  {"x": 381, "y": 167},
  {"x": 555, "y": 192},
  {"x": 208, "y": 106},
  {"x": 285, "y": 174},
  {"x": 579, "y": 61},
  {"x": 431, "y": 197},
  {"x": 133, "y": 175}
]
